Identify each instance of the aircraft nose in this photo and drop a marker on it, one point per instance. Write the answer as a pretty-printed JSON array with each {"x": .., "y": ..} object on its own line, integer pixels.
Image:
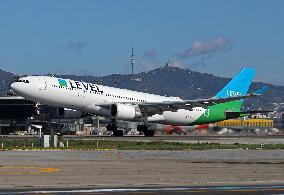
[{"x": 15, "y": 87}]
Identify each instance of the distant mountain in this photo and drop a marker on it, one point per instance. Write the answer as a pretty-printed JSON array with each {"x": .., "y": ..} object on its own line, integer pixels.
[
  {"x": 5, "y": 81},
  {"x": 173, "y": 81}
]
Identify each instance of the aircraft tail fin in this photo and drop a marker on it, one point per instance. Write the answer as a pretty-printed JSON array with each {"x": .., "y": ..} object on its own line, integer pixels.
[{"x": 239, "y": 85}]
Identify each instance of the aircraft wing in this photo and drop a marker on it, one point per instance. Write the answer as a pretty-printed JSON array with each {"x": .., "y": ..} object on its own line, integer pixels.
[
  {"x": 159, "y": 107},
  {"x": 149, "y": 108}
]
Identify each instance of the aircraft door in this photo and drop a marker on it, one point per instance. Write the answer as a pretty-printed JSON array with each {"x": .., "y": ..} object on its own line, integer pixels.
[
  {"x": 81, "y": 93},
  {"x": 42, "y": 85}
]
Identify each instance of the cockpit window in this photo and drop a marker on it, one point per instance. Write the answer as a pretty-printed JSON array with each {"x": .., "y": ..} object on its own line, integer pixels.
[{"x": 22, "y": 81}]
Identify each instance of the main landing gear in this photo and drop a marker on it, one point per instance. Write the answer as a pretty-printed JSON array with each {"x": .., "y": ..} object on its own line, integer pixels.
[
  {"x": 145, "y": 130},
  {"x": 113, "y": 127}
]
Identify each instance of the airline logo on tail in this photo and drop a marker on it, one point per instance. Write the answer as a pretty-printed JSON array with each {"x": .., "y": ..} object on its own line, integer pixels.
[
  {"x": 233, "y": 93},
  {"x": 239, "y": 85}
]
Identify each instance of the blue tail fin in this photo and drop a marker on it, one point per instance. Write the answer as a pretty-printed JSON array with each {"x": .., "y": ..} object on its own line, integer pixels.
[{"x": 239, "y": 85}]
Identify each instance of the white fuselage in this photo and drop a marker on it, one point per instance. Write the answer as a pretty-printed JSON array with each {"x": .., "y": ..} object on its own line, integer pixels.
[{"x": 88, "y": 97}]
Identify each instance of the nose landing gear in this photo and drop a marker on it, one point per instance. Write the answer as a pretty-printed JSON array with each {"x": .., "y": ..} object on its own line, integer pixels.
[{"x": 113, "y": 127}]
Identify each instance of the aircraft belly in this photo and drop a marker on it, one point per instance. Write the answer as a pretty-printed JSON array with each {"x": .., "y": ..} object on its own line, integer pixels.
[
  {"x": 58, "y": 98},
  {"x": 181, "y": 117},
  {"x": 55, "y": 98}
]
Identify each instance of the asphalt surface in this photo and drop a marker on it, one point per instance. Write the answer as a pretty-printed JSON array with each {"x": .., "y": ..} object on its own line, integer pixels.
[
  {"x": 146, "y": 172},
  {"x": 264, "y": 189},
  {"x": 139, "y": 169}
]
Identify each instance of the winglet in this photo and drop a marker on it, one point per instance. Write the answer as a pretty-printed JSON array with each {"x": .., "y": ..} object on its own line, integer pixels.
[{"x": 261, "y": 90}]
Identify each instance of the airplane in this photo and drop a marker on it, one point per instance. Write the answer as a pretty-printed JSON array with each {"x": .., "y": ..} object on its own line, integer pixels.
[{"x": 121, "y": 104}]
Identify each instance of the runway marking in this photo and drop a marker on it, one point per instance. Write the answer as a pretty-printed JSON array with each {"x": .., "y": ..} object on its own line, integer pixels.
[
  {"x": 108, "y": 154},
  {"x": 141, "y": 192},
  {"x": 192, "y": 191},
  {"x": 155, "y": 190},
  {"x": 26, "y": 170},
  {"x": 242, "y": 190},
  {"x": 279, "y": 189}
]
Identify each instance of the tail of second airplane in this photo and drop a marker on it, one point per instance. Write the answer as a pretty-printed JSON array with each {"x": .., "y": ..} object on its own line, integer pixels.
[{"x": 239, "y": 85}]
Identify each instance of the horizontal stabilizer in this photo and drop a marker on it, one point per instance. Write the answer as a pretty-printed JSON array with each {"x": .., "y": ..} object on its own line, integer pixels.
[{"x": 261, "y": 90}]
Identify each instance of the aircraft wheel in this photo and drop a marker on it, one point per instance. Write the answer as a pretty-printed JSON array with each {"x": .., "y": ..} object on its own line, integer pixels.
[
  {"x": 111, "y": 127},
  {"x": 146, "y": 133},
  {"x": 118, "y": 133},
  {"x": 142, "y": 128},
  {"x": 151, "y": 133}
]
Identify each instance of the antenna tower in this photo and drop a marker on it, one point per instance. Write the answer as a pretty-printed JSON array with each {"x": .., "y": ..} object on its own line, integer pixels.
[{"x": 132, "y": 60}]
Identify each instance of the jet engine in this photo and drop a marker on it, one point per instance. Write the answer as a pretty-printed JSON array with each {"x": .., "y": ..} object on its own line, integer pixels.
[
  {"x": 124, "y": 112},
  {"x": 69, "y": 113}
]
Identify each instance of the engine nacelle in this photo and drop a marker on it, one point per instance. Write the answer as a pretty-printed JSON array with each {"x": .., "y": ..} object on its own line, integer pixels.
[
  {"x": 69, "y": 113},
  {"x": 124, "y": 112}
]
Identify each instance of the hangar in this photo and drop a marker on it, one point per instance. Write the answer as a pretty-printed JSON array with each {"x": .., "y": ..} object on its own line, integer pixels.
[
  {"x": 15, "y": 112},
  {"x": 18, "y": 114}
]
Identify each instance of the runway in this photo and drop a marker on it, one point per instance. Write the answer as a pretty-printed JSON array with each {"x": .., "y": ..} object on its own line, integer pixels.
[
  {"x": 146, "y": 171},
  {"x": 139, "y": 169},
  {"x": 278, "y": 189}
]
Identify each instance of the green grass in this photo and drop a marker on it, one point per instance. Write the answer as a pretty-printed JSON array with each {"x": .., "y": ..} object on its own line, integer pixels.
[
  {"x": 18, "y": 144},
  {"x": 135, "y": 145}
]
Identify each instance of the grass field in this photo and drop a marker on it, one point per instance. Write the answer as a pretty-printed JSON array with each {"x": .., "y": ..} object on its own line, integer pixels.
[{"x": 133, "y": 145}]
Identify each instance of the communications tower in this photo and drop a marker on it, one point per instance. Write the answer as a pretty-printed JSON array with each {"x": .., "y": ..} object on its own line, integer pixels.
[{"x": 132, "y": 60}]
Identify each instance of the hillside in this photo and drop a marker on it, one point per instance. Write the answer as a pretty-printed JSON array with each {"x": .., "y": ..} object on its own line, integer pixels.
[{"x": 5, "y": 80}]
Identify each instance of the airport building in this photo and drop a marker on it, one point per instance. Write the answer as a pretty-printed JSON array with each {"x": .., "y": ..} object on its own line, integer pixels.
[
  {"x": 15, "y": 113},
  {"x": 246, "y": 123},
  {"x": 21, "y": 116}
]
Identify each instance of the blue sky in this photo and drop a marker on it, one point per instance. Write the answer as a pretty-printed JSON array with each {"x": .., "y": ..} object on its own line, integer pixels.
[{"x": 94, "y": 37}]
